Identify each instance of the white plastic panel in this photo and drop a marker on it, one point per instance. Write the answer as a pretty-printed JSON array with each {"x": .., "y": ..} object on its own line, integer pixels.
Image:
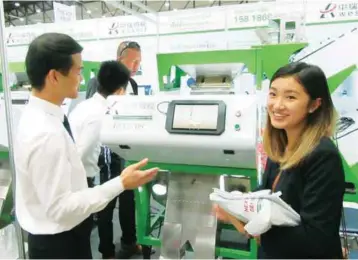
[
  {"x": 332, "y": 55},
  {"x": 135, "y": 129},
  {"x": 19, "y": 100}
]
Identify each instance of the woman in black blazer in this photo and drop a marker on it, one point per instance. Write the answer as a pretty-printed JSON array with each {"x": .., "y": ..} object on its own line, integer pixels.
[{"x": 304, "y": 164}]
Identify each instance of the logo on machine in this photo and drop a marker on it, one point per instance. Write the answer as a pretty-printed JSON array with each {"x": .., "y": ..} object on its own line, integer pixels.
[{"x": 343, "y": 10}]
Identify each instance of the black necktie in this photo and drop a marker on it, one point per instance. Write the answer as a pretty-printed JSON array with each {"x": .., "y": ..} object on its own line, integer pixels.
[{"x": 66, "y": 124}]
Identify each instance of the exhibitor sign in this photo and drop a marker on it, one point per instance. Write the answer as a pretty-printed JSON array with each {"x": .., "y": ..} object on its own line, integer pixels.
[
  {"x": 347, "y": 10},
  {"x": 125, "y": 26},
  {"x": 22, "y": 35}
]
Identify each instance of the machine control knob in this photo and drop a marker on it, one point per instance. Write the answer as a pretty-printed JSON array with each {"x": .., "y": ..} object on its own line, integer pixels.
[
  {"x": 237, "y": 127},
  {"x": 238, "y": 113}
]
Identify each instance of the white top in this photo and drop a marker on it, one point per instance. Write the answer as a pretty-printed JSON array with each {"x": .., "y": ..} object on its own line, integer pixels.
[
  {"x": 86, "y": 121},
  {"x": 129, "y": 89},
  {"x": 52, "y": 195}
]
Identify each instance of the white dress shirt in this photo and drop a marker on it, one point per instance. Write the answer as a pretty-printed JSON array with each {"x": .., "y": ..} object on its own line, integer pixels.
[
  {"x": 51, "y": 187},
  {"x": 86, "y": 121}
]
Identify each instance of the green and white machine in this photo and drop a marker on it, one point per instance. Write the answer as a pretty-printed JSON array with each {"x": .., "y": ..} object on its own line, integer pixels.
[
  {"x": 199, "y": 145},
  {"x": 199, "y": 142}
]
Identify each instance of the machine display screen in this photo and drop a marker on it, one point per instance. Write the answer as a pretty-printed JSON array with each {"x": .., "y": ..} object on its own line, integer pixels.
[
  {"x": 200, "y": 117},
  {"x": 204, "y": 117}
]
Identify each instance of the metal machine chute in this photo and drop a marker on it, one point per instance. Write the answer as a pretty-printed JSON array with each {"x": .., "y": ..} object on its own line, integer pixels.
[
  {"x": 198, "y": 142},
  {"x": 211, "y": 78}
]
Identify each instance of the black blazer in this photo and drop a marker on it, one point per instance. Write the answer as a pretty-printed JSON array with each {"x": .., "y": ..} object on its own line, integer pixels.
[
  {"x": 134, "y": 86},
  {"x": 315, "y": 190}
]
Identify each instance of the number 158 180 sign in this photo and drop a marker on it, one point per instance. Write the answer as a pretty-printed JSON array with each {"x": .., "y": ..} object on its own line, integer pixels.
[{"x": 253, "y": 19}]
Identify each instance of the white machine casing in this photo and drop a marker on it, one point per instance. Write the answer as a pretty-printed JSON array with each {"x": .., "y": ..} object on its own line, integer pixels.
[
  {"x": 135, "y": 127},
  {"x": 19, "y": 100}
]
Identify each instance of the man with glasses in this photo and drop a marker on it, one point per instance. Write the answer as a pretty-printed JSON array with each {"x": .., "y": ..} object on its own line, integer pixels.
[{"x": 129, "y": 54}]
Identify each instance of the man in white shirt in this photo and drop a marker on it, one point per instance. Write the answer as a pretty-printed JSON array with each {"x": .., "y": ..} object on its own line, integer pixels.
[
  {"x": 86, "y": 122},
  {"x": 53, "y": 201},
  {"x": 129, "y": 53}
]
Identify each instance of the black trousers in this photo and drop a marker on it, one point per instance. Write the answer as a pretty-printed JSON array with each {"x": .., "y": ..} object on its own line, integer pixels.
[
  {"x": 72, "y": 244},
  {"x": 126, "y": 211}
]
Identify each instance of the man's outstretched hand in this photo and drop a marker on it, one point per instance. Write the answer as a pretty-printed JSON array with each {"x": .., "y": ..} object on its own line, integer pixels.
[{"x": 133, "y": 177}]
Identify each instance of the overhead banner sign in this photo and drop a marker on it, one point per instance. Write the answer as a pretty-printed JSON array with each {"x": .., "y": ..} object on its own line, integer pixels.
[
  {"x": 185, "y": 21},
  {"x": 250, "y": 15},
  {"x": 22, "y": 35},
  {"x": 125, "y": 26},
  {"x": 326, "y": 11},
  {"x": 64, "y": 13},
  {"x": 80, "y": 30},
  {"x": 192, "y": 21}
]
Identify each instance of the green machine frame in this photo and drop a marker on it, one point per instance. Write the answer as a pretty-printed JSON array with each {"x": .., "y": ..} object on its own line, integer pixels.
[{"x": 259, "y": 60}]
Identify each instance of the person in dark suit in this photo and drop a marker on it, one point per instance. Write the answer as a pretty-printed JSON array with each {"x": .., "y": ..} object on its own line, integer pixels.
[
  {"x": 304, "y": 164},
  {"x": 129, "y": 54}
]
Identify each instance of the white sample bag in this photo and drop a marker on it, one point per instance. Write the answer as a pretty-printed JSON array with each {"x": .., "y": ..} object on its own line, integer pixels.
[
  {"x": 259, "y": 210},
  {"x": 8, "y": 243}
]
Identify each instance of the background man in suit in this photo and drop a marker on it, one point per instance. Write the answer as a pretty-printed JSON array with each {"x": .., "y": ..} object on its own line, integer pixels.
[{"x": 129, "y": 54}]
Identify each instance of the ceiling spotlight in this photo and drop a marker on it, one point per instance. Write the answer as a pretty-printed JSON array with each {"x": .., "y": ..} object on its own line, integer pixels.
[
  {"x": 89, "y": 11},
  {"x": 166, "y": 4},
  {"x": 17, "y": 4},
  {"x": 38, "y": 11}
]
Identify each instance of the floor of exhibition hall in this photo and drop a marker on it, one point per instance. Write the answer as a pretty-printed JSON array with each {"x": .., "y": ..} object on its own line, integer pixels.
[{"x": 117, "y": 233}]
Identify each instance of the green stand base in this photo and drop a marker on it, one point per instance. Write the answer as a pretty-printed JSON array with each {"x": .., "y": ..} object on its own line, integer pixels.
[{"x": 147, "y": 223}]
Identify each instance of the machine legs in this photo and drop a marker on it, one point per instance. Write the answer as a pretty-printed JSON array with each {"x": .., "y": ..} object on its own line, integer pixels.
[
  {"x": 147, "y": 251},
  {"x": 189, "y": 224}
]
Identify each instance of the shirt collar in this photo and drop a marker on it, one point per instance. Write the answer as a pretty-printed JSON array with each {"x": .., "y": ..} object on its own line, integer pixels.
[
  {"x": 47, "y": 107},
  {"x": 99, "y": 98}
]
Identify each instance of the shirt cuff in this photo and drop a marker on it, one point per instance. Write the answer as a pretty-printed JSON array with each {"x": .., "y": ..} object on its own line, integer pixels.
[{"x": 113, "y": 187}]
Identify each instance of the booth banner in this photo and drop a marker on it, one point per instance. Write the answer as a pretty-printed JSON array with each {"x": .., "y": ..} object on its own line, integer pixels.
[
  {"x": 199, "y": 20},
  {"x": 22, "y": 35},
  {"x": 250, "y": 15},
  {"x": 203, "y": 19},
  {"x": 125, "y": 26},
  {"x": 329, "y": 10},
  {"x": 80, "y": 30},
  {"x": 196, "y": 42},
  {"x": 313, "y": 11}
]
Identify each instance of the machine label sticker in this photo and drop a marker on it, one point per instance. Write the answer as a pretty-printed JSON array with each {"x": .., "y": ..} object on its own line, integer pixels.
[{"x": 129, "y": 126}]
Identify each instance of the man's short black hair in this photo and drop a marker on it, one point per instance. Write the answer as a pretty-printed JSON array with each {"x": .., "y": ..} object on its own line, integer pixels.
[
  {"x": 112, "y": 76},
  {"x": 50, "y": 51}
]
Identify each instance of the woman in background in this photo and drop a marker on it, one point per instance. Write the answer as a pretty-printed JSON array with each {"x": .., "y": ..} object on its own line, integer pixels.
[{"x": 304, "y": 164}]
